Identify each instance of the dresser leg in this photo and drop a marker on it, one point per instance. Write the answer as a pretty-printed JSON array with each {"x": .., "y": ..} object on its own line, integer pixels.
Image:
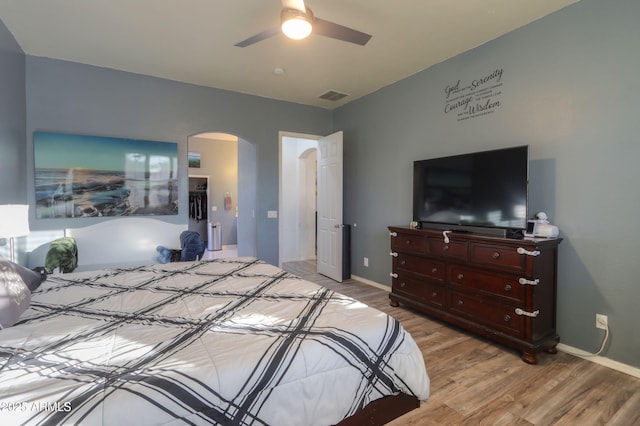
[
  {"x": 552, "y": 350},
  {"x": 529, "y": 358},
  {"x": 394, "y": 303}
]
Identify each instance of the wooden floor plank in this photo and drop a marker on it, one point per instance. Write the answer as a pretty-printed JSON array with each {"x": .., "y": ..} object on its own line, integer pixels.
[
  {"x": 478, "y": 382},
  {"x": 628, "y": 413}
]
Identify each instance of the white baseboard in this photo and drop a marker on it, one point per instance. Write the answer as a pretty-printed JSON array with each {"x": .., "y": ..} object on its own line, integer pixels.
[
  {"x": 372, "y": 283},
  {"x": 606, "y": 362},
  {"x": 614, "y": 365}
]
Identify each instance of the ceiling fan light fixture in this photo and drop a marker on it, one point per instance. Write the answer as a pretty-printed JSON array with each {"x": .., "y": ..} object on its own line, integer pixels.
[{"x": 296, "y": 24}]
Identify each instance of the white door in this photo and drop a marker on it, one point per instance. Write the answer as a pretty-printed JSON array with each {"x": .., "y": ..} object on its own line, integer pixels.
[{"x": 329, "y": 257}]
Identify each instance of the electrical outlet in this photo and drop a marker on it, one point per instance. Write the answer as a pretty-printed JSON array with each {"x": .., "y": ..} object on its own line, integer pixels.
[
  {"x": 366, "y": 261},
  {"x": 602, "y": 321}
]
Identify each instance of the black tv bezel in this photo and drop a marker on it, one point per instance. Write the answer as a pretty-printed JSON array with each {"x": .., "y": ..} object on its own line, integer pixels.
[{"x": 500, "y": 231}]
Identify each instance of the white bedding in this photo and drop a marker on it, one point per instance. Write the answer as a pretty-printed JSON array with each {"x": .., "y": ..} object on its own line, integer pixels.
[{"x": 231, "y": 341}]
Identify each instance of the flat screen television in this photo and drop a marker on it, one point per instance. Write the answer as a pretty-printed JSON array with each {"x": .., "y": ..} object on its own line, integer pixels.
[{"x": 478, "y": 192}]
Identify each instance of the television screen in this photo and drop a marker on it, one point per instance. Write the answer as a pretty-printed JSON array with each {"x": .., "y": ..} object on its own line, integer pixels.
[{"x": 482, "y": 189}]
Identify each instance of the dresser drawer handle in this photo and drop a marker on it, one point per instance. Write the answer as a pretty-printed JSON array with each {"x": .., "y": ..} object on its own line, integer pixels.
[
  {"x": 393, "y": 234},
  {"x": 525, "y": 281},
  {"x": 445, "y": 248},
  {"x": 460, "y": 276},
  {"x": 403, "y": 262},
  {"x": 407, "y": 242},
  {"x": 403, "y": 284},
  {"x": 507, "y": 318},
  {"x": 521, "y": 250},
  {"x": 528, "y": 314},
  {"x": 434, "y": 294},
  {"x": 495, "y": 255},
  {"x": 393, "y": 275},
  {"x": 460, "y": 303},
  {"x": 507, "y": 287},
  {"x": 394, "y": 254},
  {"x": 434, "y": 270}
]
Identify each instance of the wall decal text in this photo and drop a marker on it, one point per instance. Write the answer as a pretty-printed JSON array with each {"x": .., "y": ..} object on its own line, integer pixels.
[{"x": 479, "y": 97}]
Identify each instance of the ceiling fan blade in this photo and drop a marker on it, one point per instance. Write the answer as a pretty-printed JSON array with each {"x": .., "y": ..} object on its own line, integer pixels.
[
  {"x": 258, "y": 37},
  {"x": 294, "y": 4},
  {"x": 339, "y": 32}
]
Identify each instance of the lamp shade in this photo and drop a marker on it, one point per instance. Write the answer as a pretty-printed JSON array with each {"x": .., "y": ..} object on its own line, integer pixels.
[{"x": 14, "y": 220}]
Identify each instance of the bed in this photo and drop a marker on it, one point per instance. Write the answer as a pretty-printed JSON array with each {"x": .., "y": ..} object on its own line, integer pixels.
[{"x": 230, "y": 341}]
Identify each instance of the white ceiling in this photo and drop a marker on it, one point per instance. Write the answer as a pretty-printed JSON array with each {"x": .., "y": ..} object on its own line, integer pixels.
[{"x": 193, "y": 40}]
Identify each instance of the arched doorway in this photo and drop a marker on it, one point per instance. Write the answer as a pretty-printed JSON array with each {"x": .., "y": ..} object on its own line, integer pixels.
[{"x": 228, "y": 165}]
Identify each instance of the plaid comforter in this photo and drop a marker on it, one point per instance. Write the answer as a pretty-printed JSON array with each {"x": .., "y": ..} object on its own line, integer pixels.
[{"x": 231, "y": 341}]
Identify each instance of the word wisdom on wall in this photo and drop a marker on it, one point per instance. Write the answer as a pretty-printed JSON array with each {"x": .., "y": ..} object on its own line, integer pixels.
[{"x": 476, "y": 98}]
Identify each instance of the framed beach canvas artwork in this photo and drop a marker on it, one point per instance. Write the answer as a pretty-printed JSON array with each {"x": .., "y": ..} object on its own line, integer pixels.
[
  {"x": 83, "y": 176},
  {"x": 194, "y": 159}
]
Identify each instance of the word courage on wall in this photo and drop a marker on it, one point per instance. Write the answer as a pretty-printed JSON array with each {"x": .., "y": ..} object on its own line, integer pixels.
[{"x": 478, "y": 98}]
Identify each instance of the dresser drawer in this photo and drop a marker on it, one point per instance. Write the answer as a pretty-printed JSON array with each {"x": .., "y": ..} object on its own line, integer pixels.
[
  {"x": 419, "y": 290},
  {"x": 407, "y": 242},
  {"x": 502, "y": 257},
  {"x": 503, "y": 285},
  {"x": 498, "y": 316},
  {"x": 452, "y": 249},
  {"x": 420, "y": 265}
]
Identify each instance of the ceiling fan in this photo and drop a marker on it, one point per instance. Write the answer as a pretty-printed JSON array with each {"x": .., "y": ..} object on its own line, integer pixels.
[{"x": 298, "y": 21}]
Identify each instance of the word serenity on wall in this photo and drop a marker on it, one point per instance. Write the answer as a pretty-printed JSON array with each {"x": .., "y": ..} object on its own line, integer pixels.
[{"x": 478, "y": 98}]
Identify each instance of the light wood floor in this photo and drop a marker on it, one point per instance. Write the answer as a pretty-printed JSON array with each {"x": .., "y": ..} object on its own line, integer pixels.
[{"x": 476, "y": 382}]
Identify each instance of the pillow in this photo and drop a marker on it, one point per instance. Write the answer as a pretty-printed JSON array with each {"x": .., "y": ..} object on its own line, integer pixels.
[
  {"x": 192, "y": 246},
  {"x": 63, "y": 254},
  {"x": 165, "y": 254},
  {"x": 15, "y": 296},
  {"x": 32, "y": 278},
  {"x": 168, "y": 255}
]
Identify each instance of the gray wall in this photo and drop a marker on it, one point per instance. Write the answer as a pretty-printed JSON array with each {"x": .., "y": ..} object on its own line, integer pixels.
[
  {"x": 12, "y": 120},
  {"x": 570, "y": 90},
  {"x": 247, "y": 180},
  {"x": 69, "y": 97}
]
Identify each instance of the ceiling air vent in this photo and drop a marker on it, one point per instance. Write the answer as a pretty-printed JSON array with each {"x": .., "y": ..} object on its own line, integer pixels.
[{"x": 333, "y": 95}]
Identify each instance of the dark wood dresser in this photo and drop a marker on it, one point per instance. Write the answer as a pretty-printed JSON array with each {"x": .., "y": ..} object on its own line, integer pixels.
[{"x": 500, "y": 288}]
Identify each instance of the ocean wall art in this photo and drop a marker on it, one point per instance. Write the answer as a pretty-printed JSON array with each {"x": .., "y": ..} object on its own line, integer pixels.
[{"x": 88, "y": 176}]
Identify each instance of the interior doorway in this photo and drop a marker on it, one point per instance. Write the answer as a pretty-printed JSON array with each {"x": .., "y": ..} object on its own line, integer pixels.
[
  {"x": 298, "y": 201},
  {"x": 229, "y": 165}
]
